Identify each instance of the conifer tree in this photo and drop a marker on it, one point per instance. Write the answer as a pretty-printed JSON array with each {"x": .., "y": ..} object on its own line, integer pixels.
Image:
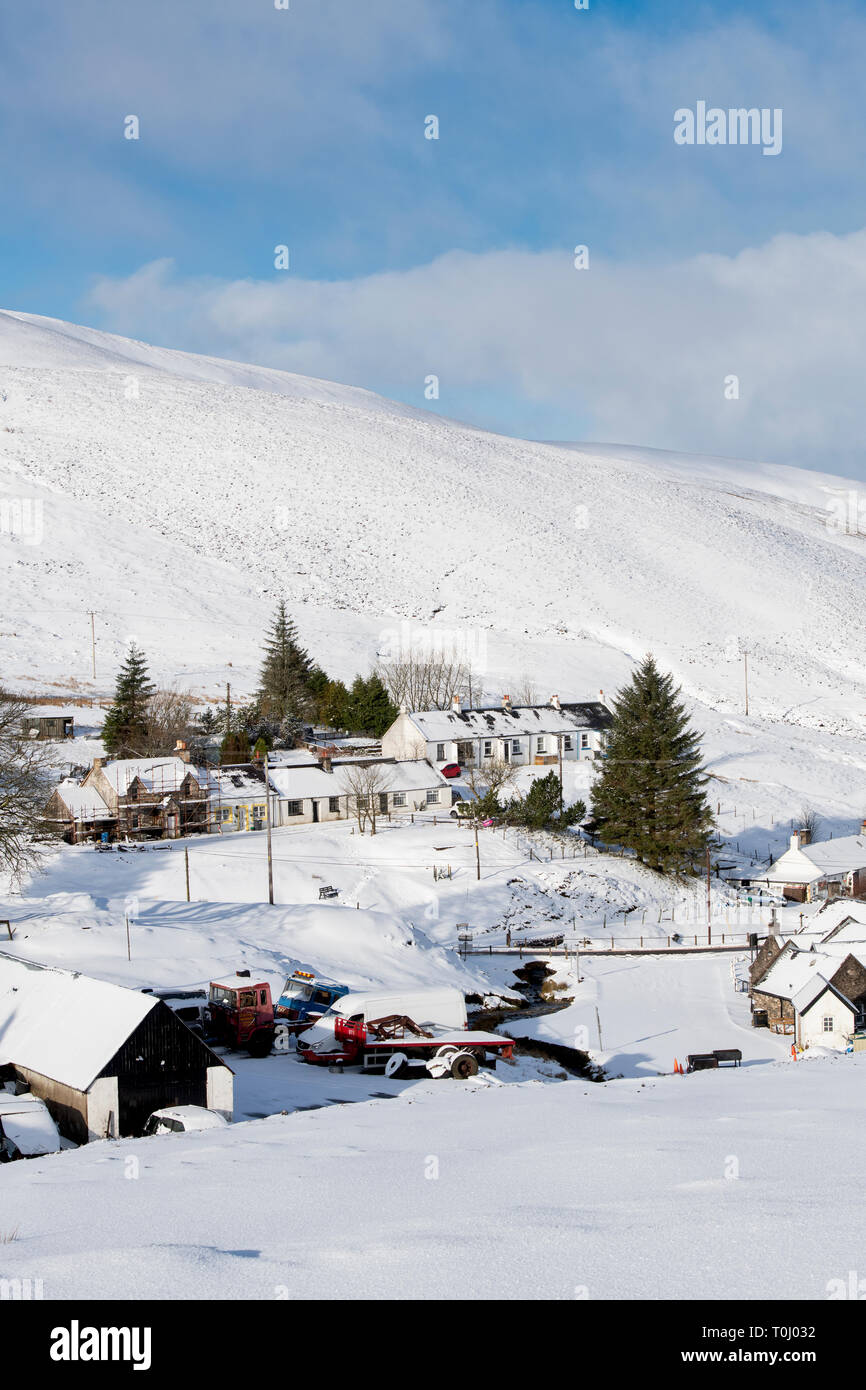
[
  {"x": 124, "y": 731},
  {"x": 650, "y": 795},
  {"x": 286, "y": 670}
]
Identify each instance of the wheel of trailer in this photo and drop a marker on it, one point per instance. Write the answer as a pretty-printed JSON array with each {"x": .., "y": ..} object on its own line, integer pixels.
[
  {"x": 465, "y": 1064},
  {"x": 396, "y": 1063}
]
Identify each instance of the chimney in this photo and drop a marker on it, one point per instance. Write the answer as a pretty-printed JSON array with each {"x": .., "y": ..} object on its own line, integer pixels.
[
  {"x": 554, "y": 700},
  {"x": 800, "y": 838},
  {"x": 181, "y": 751},
  {"x": 455, "y": 704},
  {"x": 863, "y": 827},
  {"x": 327, "y": 765},
  {"x": 506, "y": 703},
  {"x": 98, "y": 764}
]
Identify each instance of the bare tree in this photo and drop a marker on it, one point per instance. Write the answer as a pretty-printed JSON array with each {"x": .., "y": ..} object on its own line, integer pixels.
[
  {"x": 170, "y": 716},
  {"x": 489, "y": 777},
  {"x": 365, "y": 783},
  {"x": 526, "y": 692},
  {"x": 428, "y": 680},
  {"x": 25, "y": 786},
  {"x": 810, "y": 820}
]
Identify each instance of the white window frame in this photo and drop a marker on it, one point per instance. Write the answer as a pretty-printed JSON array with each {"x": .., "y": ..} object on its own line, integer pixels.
[
  {"x": 300, "y": 806},
  {"x": 440, "y": 752},
  {"x": 399, "y": 799},
  {"x": 566, "y": 743},
  {"x": 488, "y": 748},
  {"x": 539, "y": 744},
  {"x": 516, "y": 749},
  {"x": 828, "y": 1024},
  {"x": 432, "y": 796}
]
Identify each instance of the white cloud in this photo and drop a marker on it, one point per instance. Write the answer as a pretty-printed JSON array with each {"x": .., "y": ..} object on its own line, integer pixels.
[{"x": 639, "y": 350}]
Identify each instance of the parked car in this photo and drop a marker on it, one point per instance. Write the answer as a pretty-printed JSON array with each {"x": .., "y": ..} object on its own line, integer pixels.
[
  {"x": 27, "y": 1129},
  {"x": 450, "y": 770},
  {"x": 183, "y": 1119},
  {"x": 462, "y": 810}
]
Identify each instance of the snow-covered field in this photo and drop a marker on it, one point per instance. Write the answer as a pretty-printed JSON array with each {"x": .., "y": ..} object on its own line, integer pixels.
[
  {"x": 176, "y": 497},
  {"x": 733, "y": 1184}
]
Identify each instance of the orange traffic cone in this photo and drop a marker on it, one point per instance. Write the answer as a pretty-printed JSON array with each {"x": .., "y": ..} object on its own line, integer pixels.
[
  {"x": 677, "y": 1068},
  {"x": 794, "y": 1051}
]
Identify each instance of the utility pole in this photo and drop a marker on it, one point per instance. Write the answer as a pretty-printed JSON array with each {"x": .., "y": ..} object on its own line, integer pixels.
[
  {"x": 746, "y": 678},
  {"x": 128, "y": 946},
  {"x": 709, "y": 908},
  {"x": 228, "y": 705},
  {"x": 186, "y": 867},
  {"x": 268, "y": 822},
  {"x": 559, "y": 745},
  {"x": 93, "y": 642},
  {"x": 477, "y": 850}
]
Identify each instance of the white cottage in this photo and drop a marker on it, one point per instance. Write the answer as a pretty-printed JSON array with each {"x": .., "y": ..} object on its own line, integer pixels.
[
  {"x": 824, "y": 869},
  {"x": 520, "y": 734}
]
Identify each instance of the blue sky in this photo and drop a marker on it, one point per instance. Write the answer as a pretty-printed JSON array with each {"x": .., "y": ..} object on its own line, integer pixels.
[{"x": 453, "y": 257}]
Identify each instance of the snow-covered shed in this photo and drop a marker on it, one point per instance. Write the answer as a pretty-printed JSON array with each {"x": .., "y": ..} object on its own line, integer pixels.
[{"x": 102, "y": 1057}]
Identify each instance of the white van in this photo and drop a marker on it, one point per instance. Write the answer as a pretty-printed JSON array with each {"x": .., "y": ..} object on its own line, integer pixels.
[{"x": 445, "y": 1007}]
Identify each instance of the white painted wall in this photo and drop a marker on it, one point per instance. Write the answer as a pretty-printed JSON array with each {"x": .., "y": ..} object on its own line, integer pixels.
[
  {"x": 221, "y": 1091},
  {"x": 102, "y": 1109}
]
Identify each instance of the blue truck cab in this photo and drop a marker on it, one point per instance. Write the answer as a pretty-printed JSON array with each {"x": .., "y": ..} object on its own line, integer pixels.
[{"x": 304, "y": 998}]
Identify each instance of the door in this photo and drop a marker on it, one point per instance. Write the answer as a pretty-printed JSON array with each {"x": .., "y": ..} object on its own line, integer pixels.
[
  {"x": 138, "y": 1098},
  {"x": 315, "y": 812}
]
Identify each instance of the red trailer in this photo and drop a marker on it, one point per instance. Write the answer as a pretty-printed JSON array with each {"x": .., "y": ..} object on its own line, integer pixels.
[{"x": 399, "y": 1031}]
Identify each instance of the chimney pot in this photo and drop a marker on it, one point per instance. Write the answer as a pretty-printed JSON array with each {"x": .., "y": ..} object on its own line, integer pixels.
[
  {"x": 554, "y": 700},
  {"x": 455, "y": 703}
]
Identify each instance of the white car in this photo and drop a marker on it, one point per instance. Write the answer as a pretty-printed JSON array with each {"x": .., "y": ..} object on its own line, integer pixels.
[
  {"x": 27, "y": 1129},
  {"x": 183, "y": 1119}
]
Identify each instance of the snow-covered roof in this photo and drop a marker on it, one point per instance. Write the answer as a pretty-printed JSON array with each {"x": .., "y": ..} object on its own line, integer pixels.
[
  {"x": 155, "y": 774},
  {"x": 446, "y": 724},
  {"x": 838, "y": 856},
  {"x": 83, "y": 803},
  {"x": 65, "y": 1026},
  {"x": 302, "y": 783},
  {"x": 237, "y": 784},
  {"x": 812, "y": 991}
]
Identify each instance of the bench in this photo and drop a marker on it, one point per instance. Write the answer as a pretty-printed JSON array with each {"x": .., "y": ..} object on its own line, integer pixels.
[
  {"x": 329, "y": 892},
  {"x": 720, "y": 1056}
]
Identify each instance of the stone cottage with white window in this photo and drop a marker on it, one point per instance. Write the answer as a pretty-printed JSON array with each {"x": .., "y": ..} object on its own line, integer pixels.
[{"x": 520, "y": 734}]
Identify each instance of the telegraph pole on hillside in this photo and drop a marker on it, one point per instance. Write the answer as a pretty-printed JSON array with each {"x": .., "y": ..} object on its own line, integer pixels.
[
  {"x": 709, "y": 906},
  {"x": 477, "y": 850},
  {"x": 746, "y": 677},
  {"x": 93, "y": 642},
  {"x": 268, "y": 823}
]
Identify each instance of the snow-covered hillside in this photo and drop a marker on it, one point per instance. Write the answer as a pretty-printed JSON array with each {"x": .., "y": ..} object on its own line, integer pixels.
[{"x": 181, "y": 493}]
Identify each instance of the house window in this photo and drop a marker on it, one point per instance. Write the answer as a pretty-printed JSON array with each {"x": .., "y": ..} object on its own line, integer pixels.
[
  {"x": 294, "y": 808},
  {"x": 399, "y": 798},
  {"x": 540, "y": 745},
  {"x": 440, "y": 752},
  {"x": 584, "y": 740},
  {"x": 432, "y": 797},
  {"x": 334, "y": 805},
  {"x": 567, "y": 743},
  {"x": 488, "y": 748},
  {"x": 225, "y": 813},
  {"x": 828, "y": 1023},
  {"x": 515, "y": 748}
]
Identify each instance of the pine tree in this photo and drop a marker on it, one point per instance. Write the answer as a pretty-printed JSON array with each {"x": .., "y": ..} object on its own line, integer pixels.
[
  {"x": 124, "y": 731},
  {"x": 650, "y": 795},
  {"x": 380, "y": 711},
  {"x": 235, "y": 748},
  {"x": 286, "y": 670}
]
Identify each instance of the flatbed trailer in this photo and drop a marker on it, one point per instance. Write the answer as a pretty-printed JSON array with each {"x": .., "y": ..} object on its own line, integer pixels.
[{"x": 396, "y": 1044}]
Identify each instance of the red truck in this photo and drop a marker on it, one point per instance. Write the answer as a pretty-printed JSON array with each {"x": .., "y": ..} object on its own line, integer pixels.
[{"x": 240, "y": 1013}]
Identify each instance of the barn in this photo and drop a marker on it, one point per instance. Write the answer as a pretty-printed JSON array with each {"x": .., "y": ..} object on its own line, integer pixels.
[{"x": 102, "y": 1057}]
